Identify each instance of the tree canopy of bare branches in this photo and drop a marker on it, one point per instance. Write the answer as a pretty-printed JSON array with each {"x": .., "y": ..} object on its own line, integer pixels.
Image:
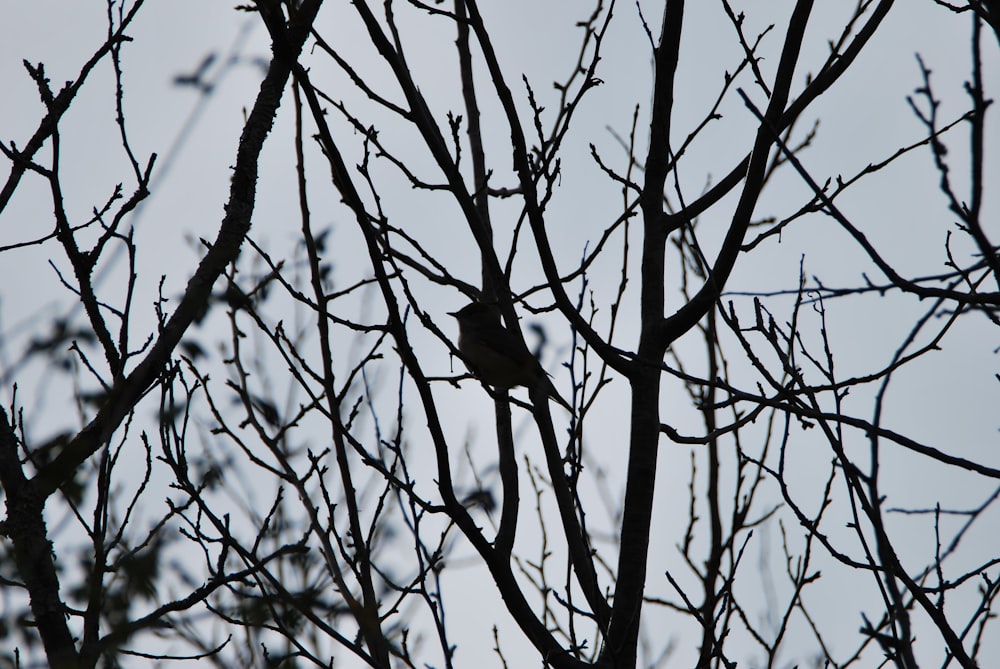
[{"x": 761, "y": 278}]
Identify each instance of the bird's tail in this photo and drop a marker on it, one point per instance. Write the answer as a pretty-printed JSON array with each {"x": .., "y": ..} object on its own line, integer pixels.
[{"x": 550, "y": 390}]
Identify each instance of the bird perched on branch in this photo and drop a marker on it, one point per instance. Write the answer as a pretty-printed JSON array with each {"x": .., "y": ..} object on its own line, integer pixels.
[{"x": 497, "y": 356}]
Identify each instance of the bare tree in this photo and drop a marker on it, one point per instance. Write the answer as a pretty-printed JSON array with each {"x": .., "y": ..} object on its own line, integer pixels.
[{"x": 287, "y": 468}]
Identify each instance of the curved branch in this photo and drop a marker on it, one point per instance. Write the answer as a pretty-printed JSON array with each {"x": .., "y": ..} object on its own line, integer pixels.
[
  {"x": 819, "y": 85},
  {"x": 693, "y": 311},
  {"x": 232, "y": 232}
]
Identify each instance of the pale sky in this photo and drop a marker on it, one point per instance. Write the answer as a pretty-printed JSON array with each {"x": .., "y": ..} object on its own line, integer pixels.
[{"x": 948, "y": 400}]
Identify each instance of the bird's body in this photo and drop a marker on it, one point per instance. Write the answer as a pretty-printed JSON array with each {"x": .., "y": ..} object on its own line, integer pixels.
[{"x": 496, "y": 355}]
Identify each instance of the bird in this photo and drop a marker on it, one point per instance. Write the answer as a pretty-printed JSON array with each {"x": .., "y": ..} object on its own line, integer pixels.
[{"x": 496, "y": 355}]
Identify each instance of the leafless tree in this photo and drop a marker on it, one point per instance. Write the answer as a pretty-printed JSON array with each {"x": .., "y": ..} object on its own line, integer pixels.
[{"x": 275, "y": 472}]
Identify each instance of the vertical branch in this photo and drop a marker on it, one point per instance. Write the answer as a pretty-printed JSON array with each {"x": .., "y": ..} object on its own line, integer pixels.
[
  {"x": 33, "y": 554},
  {"x": 579, "y": 549},
  {"x": 83, "y": 267},
  {"x": 717, "y": 542},
  {"x": 971, "y": 212},
  {"x": 89, "y": 646},
  {"x": 645, "y": 377},
  {"x": 529, "y": 192},
  {"x": 365, "y": 612},
  {"x": 479, "y": 173},
  {"x": 507, "y": 461}
]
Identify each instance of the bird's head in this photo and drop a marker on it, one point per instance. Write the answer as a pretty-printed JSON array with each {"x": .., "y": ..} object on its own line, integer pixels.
[{"x": 477, "y": 313}]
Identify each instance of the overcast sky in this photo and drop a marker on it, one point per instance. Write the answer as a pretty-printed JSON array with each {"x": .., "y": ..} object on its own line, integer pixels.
[{"x": 949, "y": 400}]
